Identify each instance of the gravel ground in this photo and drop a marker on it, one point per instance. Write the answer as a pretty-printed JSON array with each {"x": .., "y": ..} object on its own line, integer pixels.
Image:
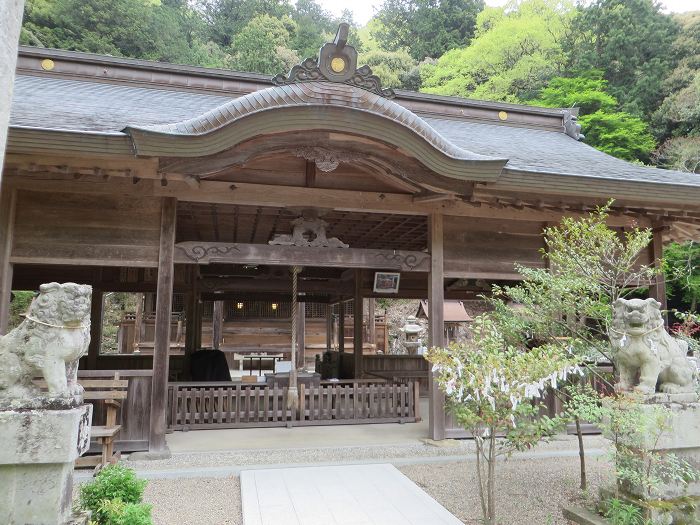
[
  {"x": 530, "y": 491},
  {"x": 200, "y": 501}
]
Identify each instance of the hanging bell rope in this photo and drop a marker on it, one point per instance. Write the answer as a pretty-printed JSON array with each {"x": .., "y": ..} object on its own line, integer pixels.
[{"x": 293, "y": 393}]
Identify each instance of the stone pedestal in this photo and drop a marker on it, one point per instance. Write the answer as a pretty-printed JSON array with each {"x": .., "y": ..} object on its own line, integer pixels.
[
  {"x": 37, "y": 451},
  {"x": 682, "y": 438}
]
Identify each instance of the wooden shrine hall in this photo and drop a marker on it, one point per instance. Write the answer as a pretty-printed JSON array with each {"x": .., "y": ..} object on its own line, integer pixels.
[{"x": 203, "y": 187}]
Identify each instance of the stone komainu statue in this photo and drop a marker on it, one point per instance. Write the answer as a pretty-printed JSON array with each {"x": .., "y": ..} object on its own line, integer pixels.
[
  {"x": 645, "y": 354},
  {"x": 53, "y": 336}
]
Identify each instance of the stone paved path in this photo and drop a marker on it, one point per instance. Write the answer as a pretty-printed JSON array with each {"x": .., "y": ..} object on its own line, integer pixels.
[{"x": 333, "y": 495}]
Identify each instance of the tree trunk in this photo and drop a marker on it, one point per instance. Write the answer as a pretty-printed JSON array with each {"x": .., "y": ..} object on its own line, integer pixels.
[
  {"x": 491, "y": 519},
  {"x": 581, "y": 454}
]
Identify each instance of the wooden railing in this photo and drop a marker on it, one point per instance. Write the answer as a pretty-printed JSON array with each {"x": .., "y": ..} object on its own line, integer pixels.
[{"x": 232, "y": 405}]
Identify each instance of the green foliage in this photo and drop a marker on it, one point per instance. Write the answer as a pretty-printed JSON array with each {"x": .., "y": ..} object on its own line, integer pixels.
[
  {"x": 589, "y": 266},
  {"x": 426, "y": 28},
  {"x": 396, "y": 68},
  {"x": 226, "y": 18},
  {"x": 114, "y": 482},
  {"x": 116, "y": 512},
  {"x": 635, "y": 430},
  {"x": 586, "y": 91},
  {"x": 682, "y": 271},
  {"x": 680, "y": 153},
  {"x": 619, "y": 134},
  {"x": 131, "y": 28},
  {"x": 314, "y": 27},
  {"x": 620, "y": 513},
  {"x": 489, "y": 382},
  {"x": 632, "y": 42},
  {"x": 263, "y": 46},
  {"x": 20, "y": 304},
  {"x": 516, "y": 49},
  {"x": 614, "y": 132}
]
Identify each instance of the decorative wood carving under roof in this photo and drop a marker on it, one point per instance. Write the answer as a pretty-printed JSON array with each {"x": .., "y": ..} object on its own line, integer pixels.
[{"x": 337, "y": 62}]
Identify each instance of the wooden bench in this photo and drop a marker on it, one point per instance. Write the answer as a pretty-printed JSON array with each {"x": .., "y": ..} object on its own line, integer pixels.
[{"x": 111, "y": 392}]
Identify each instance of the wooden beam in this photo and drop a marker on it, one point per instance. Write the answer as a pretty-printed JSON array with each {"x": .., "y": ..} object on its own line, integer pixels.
[
  {"x": 310, "y": 174},
  {"x": 229, "y": 253},
  {"x": 217, "y": 324},
  {"x": 329, "y": 327},
  {"x": 657, "y": 290},
  {"x": 8, "y": 204},
  {"x": 341, "y": 327},
  {"x": 436, "y": 300},
  {"x": 96, "y": 313},
  {"x": 358, "y": 314},
  {"x": 372, "y": 332},
  {"x": 138, "y": 321},
  {"x": 164, "y": 299},
  {"x": 249, "y": 194}
]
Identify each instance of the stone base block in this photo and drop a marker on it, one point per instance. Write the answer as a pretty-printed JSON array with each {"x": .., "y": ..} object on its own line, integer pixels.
[
  {"x": 662, "y": 511},
  {"x": 36, "y": 463}
]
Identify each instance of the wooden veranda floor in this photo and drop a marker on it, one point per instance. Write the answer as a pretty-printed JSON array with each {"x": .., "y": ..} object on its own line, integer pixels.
[{"x": 334, "y": 495}]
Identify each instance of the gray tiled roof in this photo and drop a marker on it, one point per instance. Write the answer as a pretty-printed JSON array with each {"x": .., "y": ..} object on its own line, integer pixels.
[{"x": 104, "y": 107}]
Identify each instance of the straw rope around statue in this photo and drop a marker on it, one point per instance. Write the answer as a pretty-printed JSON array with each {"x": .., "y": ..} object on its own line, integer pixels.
[{"x": 293, "y": 392}]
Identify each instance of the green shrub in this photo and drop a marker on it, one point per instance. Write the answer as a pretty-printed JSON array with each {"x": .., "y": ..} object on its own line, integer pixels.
[
  {"x": 116, "y": 512},
  {"x": 115, "y": 482},
  {"x": 621, "y": 513}
]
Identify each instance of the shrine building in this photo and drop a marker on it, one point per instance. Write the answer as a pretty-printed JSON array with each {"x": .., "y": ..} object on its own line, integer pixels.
[{"x": 262, "y": 218}]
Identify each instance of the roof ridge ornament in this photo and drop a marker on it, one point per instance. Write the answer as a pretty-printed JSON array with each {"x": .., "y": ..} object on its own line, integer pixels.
[{"x": 336, "y": 62}]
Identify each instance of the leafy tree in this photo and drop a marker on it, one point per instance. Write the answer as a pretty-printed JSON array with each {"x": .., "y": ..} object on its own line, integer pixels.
[
  {"x": 427, "y": 28},
  {"x": 394, "y": 68},
  {"x": 677, "y": 121},
  {"x": 516, "y": 49},
  {"x": 614, "y": 132},
  {"x": 314, "y": 26},
  {"x": 680, "y": 153},
  {"x": 489, "y": 382},
  {"x": 263, "y": 46},
  {"x": 682, "y": 270},
  {"x": 632, "y": 42},
  {"x": 619, "y": 134},
  {"x": 131, "y": 28},
  {"x": 226, "y": 18}
]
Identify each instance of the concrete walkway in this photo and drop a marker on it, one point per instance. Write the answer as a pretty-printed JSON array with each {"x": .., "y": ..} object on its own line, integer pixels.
[{"x": 338, "y": 495}]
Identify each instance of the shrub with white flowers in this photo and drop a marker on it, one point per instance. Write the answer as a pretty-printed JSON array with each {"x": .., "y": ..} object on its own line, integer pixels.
[{"x": 490, "y": 384}]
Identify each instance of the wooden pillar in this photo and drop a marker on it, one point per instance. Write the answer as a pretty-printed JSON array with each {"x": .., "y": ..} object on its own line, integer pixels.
[
  {"x": 8, "y": 200},
  {"x": 301, "y": 335},
  {"x": 357, "y": 315},
  {"x": 96, "y": 312},
  {"x": 436, "y": 301},
  {"x": 372, "y": 332},
  {"x": 138, "y": 321},
  {"x": 341, "y": 327},
  {"x": 329, "y": 327},
  {"x": 657, "y": 290},
  {"x": 161, "y": 347},
  {"x": 217, "y": 324}
]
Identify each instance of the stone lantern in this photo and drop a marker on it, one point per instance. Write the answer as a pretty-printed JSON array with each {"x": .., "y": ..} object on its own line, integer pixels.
[{"x": 412, "y": 331}]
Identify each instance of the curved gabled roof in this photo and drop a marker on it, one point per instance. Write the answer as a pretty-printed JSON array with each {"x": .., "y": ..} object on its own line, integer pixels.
[{"x": 314, "y": 106}]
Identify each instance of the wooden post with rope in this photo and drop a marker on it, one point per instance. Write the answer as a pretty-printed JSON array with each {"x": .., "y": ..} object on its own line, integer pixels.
[{"x": 293, "y": 395}]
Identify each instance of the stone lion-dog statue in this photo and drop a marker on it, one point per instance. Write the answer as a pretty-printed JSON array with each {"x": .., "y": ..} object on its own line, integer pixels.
[
  {"x": 645, "y": 354},
  {"x": 53, "y": 336}
]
